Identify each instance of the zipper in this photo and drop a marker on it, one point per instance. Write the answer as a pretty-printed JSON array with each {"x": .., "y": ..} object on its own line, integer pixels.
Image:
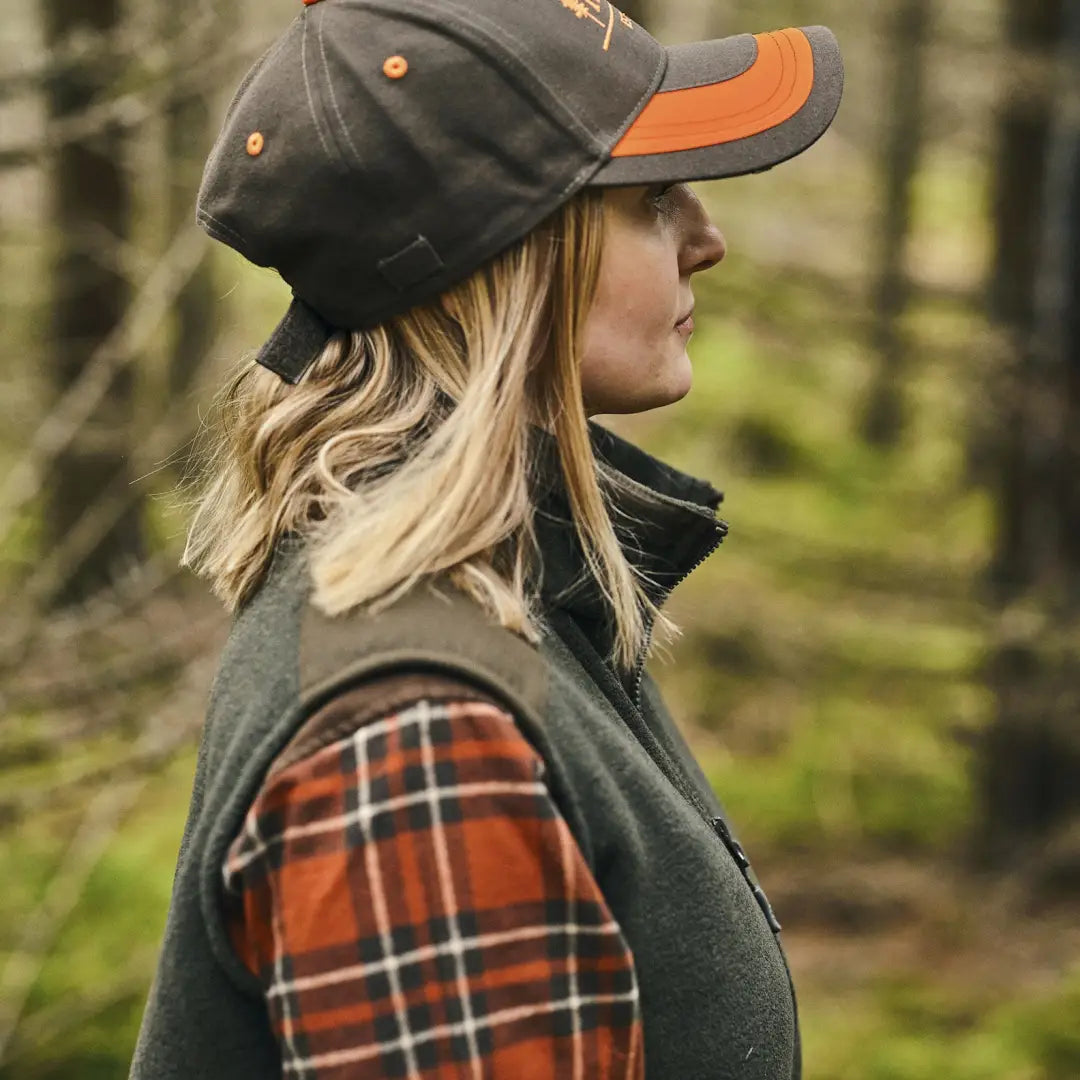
[
  {"x": 639, "y": 668},
  {"x": 719, "y": 826},
  {"x": 737, "y": 853}
]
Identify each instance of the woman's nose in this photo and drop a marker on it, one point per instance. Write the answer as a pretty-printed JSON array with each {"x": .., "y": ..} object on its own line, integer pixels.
[
  {"x": 709, "y": 249},
  {"x": 703, "y": 242}
]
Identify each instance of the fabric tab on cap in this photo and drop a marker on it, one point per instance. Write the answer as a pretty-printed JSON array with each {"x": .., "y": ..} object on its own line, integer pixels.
[
  {"x": 296, "y": 341},
  {"x": 411, "y": 264}
]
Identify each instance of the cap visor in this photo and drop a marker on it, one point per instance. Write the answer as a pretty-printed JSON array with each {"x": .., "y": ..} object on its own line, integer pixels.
[{"x": 731, "y": 106}]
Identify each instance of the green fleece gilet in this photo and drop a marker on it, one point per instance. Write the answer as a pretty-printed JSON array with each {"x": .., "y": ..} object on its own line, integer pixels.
[{"x": 716, "y": 996}]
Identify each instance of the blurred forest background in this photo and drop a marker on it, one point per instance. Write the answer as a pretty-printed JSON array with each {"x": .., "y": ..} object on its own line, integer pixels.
[{"x": 887, "y": 387}]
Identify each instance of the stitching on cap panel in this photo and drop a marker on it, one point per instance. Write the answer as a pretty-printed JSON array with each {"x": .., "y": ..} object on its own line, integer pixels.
[
  {"x": 519, "y": 74},
  {"x": 333, "y": 96},
  {"x": 205, "y": 215},
  {"x": 307, "y": 88},
  {"x": 253, "y": 72},
  {"x": 639, "y": 105}
]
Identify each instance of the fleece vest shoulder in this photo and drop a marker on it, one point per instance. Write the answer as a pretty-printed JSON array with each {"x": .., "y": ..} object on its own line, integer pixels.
[{"x": 716, "y": 995}]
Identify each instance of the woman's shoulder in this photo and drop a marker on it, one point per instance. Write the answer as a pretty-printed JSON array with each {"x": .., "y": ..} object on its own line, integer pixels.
[{"x": 374, "y": 698}]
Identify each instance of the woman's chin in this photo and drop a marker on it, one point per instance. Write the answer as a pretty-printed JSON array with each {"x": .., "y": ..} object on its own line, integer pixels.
[{"x": 682, "y": 376}]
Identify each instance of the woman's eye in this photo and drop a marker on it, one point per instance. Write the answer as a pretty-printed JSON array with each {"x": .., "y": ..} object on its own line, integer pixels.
[{"x": 660, "y": 192}]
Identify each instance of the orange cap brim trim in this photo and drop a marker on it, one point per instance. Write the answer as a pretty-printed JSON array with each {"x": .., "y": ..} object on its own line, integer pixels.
[{"x": 773, "y": 89}]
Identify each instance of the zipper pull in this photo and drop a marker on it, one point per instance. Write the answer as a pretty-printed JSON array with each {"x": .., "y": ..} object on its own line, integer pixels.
[{"x": 737, "y": 853}]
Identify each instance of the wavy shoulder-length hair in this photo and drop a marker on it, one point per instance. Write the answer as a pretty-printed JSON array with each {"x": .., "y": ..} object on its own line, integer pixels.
[{"x": 404, "y": 453}]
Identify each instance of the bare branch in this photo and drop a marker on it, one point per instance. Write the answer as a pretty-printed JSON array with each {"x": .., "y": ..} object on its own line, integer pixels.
[
  {"x": 139, "y": 763},
  {"x": 166, "y": 732},
  {"x": 130, "y": 110},
  {"x": 121, "y": 347},
  {"x": 158, "y": 657},
  {"x": 65, "y": 558},
  {"x": 133, "y": 590},
  {"x": 62, "y": 1017},
  {"x": 87, "y": 51}
]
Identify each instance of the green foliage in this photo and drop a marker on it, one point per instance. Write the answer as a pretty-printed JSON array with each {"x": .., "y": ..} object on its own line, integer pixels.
[
  {"x": 84, "y": 1008},
  {"x": 910, "y": 1028},
  {"x": 833, "y": 643},
  {"x": 1046, "y": 1030}
]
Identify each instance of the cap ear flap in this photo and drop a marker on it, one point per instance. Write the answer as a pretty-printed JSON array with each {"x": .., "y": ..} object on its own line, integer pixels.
[{"x": 296, "y": 341}]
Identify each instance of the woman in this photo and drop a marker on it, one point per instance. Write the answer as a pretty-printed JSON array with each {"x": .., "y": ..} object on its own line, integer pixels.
[{"x": 442, "y": 822}]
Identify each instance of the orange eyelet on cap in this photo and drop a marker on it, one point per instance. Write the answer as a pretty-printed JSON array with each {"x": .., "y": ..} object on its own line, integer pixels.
[
  {"x": 255, "y": 143},
  {"x": 395, "y": 66},
  {"x": 311, "y": 1}
]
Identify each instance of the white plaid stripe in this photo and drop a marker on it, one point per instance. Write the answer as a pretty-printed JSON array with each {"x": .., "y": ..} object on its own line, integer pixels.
[
  {"x": 378, "y": 899},
  {"x": 571, "y": 957},
  {"x": 446, "y": 881},
  {"x": 258, "y": 846},
  {"x": 356, "y": 972}
]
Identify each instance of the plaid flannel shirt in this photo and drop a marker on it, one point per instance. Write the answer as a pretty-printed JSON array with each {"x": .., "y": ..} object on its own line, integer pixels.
[{"x": 414, "y": 904}]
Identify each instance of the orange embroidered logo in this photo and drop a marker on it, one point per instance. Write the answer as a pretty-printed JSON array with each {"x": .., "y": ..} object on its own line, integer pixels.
[{"x": 601, "y": 12}]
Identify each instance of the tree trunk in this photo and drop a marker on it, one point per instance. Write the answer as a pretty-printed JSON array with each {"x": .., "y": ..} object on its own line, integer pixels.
[
  {"x": 1028, "y": 768},
  {"x": 882, "y": 421},
  {"x": 188, "y": 137},
  {"x": 1025, "y": 545},
  {"x": 1069, "y": 471},
  {"x": 89, "y": 212}
]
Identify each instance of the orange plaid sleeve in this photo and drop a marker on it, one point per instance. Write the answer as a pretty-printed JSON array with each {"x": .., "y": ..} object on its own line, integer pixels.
[{"x": 415, "y": 905}]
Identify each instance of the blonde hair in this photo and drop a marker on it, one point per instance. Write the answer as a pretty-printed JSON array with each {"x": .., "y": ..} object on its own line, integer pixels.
[{"x": 404, "y": 451}]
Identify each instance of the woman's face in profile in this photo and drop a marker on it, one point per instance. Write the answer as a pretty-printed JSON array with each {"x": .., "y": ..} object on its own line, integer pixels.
[{"x": 634, "y": 355}]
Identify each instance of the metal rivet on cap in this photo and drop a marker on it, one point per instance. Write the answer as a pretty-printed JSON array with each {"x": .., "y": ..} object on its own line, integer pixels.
[
  {"x": 255, "y": 143},
  {"x": 395, "y": 66}
]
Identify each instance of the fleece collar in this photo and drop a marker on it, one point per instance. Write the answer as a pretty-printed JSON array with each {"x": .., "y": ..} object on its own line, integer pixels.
[{"x": 666, "y": 537}]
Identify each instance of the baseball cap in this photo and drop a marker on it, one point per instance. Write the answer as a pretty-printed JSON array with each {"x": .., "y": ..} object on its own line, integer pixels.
[{"x": 381, "y": 150}]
